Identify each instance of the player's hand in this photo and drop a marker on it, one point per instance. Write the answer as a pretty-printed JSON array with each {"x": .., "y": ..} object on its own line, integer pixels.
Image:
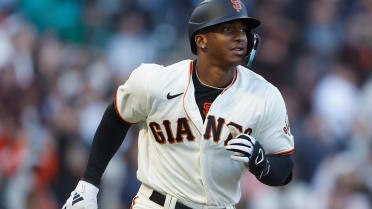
[
  {"x": 83, "y": 197},
  {"x": 248, "y": 150}
]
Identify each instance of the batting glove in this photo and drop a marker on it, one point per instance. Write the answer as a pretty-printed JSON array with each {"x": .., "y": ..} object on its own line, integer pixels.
[
  {"x": 83, "y": 197},
  {"x": 248, "y": 150}
]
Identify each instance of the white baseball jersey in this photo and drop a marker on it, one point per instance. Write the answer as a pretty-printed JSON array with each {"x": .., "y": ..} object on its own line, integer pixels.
[{"x": 182, "y": 156}]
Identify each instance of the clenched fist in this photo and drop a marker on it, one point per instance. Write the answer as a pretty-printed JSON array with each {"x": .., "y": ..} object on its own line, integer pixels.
[{"x": 248, "y": 150}]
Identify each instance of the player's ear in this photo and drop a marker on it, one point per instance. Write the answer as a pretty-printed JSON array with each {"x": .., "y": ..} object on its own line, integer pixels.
[{"x": 200, "y": 41}]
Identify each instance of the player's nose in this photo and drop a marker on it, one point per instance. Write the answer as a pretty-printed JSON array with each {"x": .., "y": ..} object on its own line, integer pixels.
[{"x": 240, "y": 36}]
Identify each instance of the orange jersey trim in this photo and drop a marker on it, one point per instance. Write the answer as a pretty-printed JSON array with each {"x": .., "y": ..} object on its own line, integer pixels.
[
  {"x": 288, "y": 152},
  {"x": 232, "y": 83},
  {"x": 133, "y": 202},
  {"x": 184, "y": 96},
  {"x": 117, "y": 109}
]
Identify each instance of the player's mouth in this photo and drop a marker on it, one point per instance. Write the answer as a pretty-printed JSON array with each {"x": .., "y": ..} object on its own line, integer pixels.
[{"x": 238, "y": 50}]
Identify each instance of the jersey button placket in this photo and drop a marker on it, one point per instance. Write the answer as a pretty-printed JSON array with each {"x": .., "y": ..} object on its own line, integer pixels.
[{"x": 202, "y": 146}]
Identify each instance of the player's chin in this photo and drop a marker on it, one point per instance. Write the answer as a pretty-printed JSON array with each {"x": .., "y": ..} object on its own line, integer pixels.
[
  {"x": 236, "y": 60},
  {"x": 237, "y": 57}
]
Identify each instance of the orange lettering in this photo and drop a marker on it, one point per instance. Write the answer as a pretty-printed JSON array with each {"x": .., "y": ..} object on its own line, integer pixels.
[{"x": 237, "y": 5}]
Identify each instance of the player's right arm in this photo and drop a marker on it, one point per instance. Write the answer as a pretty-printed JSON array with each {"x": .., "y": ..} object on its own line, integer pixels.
[
  {"x": 129, "y": 106},
  {"x": 107, "y": 140}
]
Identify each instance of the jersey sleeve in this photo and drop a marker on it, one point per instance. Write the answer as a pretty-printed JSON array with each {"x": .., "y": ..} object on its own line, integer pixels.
[
  {"x": 274, "y": 134},
  {"x": 132, "y": 98}
]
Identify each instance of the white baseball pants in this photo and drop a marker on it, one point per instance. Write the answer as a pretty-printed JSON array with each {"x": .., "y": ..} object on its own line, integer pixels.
[{"x": 142, "y": 201}]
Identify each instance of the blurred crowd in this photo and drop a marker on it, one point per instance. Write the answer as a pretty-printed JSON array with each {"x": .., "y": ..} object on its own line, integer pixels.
[{"x": 62, "y": 60}]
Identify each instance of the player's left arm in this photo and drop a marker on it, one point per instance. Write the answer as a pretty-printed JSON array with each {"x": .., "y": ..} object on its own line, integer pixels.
[
  {"x": 280, "y": 172},
  {"x": 272, "y": 170},
  {"x": 268, "y": 155}
]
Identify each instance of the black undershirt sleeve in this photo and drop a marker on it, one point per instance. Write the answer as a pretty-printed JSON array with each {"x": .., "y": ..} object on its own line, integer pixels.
[
  {"x": 280, "y": 170},
  {"x": 108, "y": 137}
]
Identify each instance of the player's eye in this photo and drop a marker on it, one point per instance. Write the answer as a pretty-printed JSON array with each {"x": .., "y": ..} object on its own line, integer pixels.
[{"x": 227, "y": 29}]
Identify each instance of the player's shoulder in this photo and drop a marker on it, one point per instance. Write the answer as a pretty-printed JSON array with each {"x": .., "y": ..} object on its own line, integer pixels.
[
  {"x": 159, "y": 76},
  {"x": 159, "y": 69},
  {"x": 253, "y": 78},
  {"x": 148, "y": 67},
  {"x": 181, "y": 65},
  {"x": 256, "y": 84}
]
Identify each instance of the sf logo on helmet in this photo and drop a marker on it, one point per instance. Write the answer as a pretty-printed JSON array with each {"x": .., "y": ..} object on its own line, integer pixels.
[{"x": 236, "y": 4}]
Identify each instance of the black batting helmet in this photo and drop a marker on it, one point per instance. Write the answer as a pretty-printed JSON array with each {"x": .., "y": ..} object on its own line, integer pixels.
[{"x": 212, "y": 12}]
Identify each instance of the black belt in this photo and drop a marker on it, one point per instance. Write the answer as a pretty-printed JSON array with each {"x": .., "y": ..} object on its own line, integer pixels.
[{"x": 160, "y": 200}]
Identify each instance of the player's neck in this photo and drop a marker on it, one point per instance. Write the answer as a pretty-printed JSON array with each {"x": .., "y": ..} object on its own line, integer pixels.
[{"x": 214, "y": 75}]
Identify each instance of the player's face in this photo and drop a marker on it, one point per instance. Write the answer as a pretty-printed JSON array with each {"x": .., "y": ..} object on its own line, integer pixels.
[{"x": 227, "y": 42}]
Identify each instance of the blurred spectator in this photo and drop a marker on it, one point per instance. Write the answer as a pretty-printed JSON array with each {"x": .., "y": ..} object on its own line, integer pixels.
[
  {"x": 279, "y": 34},
  {"x": 295, "y": 195},
  {"x": 359, "y": 35},
  {"x": 336, "y": 101},
  {"x": 64, "y": 17},
  {"x": 338, "y": 183},
  {"x": 324, "y": 30},
  {"x": 363, "y": 129},
  {"x": 130, "y": 46}
]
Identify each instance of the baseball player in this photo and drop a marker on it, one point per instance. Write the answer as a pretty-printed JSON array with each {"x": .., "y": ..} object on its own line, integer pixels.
[{"x": 204, "y": 122}]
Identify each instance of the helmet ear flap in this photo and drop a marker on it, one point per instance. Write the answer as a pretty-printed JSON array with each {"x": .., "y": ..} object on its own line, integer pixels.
[{"x": 253, "y": 44}]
